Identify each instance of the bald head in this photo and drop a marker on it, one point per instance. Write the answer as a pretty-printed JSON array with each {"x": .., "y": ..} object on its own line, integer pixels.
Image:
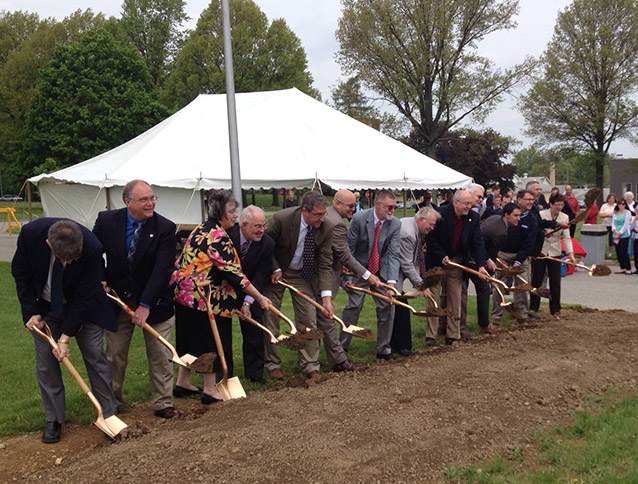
[{"x": 343, "y": 202}]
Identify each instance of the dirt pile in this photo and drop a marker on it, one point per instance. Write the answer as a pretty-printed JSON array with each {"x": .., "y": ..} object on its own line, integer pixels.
[{"x": 403, "y": 421}]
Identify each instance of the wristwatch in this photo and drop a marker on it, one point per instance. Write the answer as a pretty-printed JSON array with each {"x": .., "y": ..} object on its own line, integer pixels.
[{"x": 245, "y": 303}]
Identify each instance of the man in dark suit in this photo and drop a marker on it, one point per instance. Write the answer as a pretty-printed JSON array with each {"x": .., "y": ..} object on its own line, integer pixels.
[
  {"x": 255, "y": 250},
  {"x": 140, "y": 249},
  {"x": 374, "y": 239},
  {"x": 302, "y": 256},
  {"x": 56, "y": 268},
  {"x": 457, "y": 237},
  {"x": 343, "y": 206}
]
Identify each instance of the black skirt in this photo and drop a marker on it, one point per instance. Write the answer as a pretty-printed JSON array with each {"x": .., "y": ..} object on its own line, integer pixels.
[{"x": 193, "y": 334}]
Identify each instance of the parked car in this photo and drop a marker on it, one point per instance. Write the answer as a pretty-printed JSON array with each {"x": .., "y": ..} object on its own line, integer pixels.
[{"x": 10, "y": 198}]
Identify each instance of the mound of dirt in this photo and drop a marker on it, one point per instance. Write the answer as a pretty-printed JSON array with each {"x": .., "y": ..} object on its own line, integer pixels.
[{"x": 403, "y": 421}]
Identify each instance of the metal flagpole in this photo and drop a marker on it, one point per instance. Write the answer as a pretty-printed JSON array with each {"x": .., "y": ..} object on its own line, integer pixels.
[{"x": 230, "y": 102}]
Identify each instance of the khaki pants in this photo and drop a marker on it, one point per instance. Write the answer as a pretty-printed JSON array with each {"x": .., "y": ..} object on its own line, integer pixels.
[{"x": 520, "y": 298}]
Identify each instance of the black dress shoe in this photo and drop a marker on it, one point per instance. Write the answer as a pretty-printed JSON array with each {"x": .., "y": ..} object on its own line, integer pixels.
[
  {"x": 430, "y": 342},
  {"x": 348, "y": 366},
  {"x": 51, "y": 433},
  {"x": 386, "y": 356},
  {"x": 168, "y": 412},
  {"x": 208, "y": 399},
  {"x": 179, "y": 392},
  {"x": 407, "y": 352},
  {"x": 451, "y": 341},
  {"x": 259, "y": 381}
]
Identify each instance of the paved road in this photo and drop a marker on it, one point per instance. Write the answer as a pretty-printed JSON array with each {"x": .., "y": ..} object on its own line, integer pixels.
[{"x": 612, "y": 292}]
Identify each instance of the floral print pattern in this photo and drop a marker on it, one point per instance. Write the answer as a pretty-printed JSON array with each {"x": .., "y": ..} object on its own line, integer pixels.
[{"x": 209, "y": 254}]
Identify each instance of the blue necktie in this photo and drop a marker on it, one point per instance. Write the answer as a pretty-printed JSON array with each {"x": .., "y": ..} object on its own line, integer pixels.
[{"x": 133, "y": 247}]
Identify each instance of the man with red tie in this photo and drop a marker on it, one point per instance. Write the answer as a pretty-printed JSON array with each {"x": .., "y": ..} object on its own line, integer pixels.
[{"x": 374, "y": 239}]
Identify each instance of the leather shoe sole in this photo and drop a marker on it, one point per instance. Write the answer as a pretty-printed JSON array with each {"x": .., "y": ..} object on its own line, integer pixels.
[
  {"x": 168, "y": 412},
  {"x": 180, "y": 392},
  {"x": 51, "y": 434},
  {"x": 276, "y": 374}
]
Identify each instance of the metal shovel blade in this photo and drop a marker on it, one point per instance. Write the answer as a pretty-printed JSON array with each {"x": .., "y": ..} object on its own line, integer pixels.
[{"x": 230, "y": 389}]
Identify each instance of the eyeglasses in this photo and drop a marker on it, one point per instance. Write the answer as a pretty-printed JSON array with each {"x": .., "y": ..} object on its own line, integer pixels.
[
  {"x": 390, "y": 206},
  {"x": 232, "y": 210},
  {"x": 144, "y": 200},
  {"x": 318, "y": 214},
  {"x": 260, "y": 226},
  {"x": 349, "y": 205}
]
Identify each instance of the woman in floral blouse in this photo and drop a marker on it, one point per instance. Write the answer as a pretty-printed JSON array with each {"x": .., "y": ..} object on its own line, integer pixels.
[{"x": 208, "y": 254}]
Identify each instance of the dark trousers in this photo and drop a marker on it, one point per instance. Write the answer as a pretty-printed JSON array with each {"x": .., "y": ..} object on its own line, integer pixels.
[
  {"x": 636, "y": 253},
  {"x": 622, "y": 254},
  {"x": 402, "y": 330},
  {"x": 553, "y": 273},
  {"x": 253, "y": 347}
]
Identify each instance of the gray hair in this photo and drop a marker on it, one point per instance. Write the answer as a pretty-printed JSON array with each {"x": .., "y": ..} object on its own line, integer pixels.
[
  {"x": 472, "y": 187},
  {"x": 630, "y": 193},
  {"x": 530, "y": 183},
  {"x": 313, "y": 199},
  {"x": 248, "y": 213},
  {"x": 128, "y": 188},
  {"x": 425, "y": 212},
  {"x": 457, "y": 194},
  {"x": 383, "y": 194},
  {"x": 66, "y": 240}
]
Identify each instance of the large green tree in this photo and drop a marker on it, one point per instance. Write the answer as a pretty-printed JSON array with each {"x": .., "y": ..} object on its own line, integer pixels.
[
  {"x": 421, "y": 56},
  {"x": 264, "y": 56},
  {"x": 95, "y": 95},
  {"x": 585, "y": 96},
  {"x": 154, "y": 28}
]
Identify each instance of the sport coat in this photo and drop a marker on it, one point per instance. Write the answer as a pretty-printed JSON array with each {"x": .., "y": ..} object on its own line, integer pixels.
[
  {"x": 361, "y": 238},
  {"x": 147, "y": 279},
  {"x": 256, "y": 264},
  {"x": 83, "y": 292},
  {"x": 284, "y": 227},
  {"x": 439, "y": 240},
  {"x": 409, "y": 253},
  {"x": 341, "y": 255}
]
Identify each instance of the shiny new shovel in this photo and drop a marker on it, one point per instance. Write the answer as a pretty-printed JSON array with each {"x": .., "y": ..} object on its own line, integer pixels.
[
  {"x": 348, "y": 286},
  {"x": 595, "y": 270},
  {"x": 357, "y": 331},
  {"x": 525, "y": 286},
  {"x": 281, "y": 340},
  {"x": 435, "y": 310},
  {"x": 228, "y": 388},
  {"x": 305, "y": 332},
  {"x": 112, "y": 425},
  {"x": 187, "y": 361}
]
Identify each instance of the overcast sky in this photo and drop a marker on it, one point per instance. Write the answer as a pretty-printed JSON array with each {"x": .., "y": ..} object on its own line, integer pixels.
[{"x": 315, "y": 22}]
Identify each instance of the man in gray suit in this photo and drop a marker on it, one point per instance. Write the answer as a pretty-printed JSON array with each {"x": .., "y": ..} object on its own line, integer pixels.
[
  {"x": 343, "y": 205},
  {"x": 374, "y": 238},
  {"x": 302, "y": 256},
  {"x": 411, "y": 272}
]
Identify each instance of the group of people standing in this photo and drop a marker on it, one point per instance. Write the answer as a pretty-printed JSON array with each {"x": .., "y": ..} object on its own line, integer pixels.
[
  {"x": 619, "y": 216},
  {"x": 63, "y": 272}
]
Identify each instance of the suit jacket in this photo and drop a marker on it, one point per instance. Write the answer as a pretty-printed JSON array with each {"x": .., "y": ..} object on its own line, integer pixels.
[
  {"x": 361, "y": 238},
  {"x": 147, "y": 280},
  {"x": 83, "y": 292},
  {"x": 551, "y": 246},
  {"x": 341, "y": 255},
  {"x": 284, "y": 227},
  {"x": 439, "y": 240},
  {"x": 409, "y": 253},
  {"x": 256, "y": 264}
]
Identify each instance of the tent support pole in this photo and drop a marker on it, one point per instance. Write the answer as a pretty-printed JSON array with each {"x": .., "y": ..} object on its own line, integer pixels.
[
  {"x": 29, "y": 201},
  {"x": 108, "y": 198},
  {"x": 201, "y": 205},
  {"x": 405, "y": 203}
]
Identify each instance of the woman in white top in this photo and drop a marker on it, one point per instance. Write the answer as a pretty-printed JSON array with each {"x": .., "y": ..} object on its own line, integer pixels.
[
  {"x": 621, "y": 227},
  {"x": 606, "y": 213},
  {"x": 551, "y": 247}
]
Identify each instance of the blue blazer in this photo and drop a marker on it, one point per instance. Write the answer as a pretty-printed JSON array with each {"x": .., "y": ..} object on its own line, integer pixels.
[{"x": 83, "y": 292}]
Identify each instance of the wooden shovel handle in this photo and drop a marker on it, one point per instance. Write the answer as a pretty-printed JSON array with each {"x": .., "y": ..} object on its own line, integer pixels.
[
  {"x": 310, "y": 300},
  {"x": 391, "y": 288},
  {"x": 477, "y": 273},
  {"x": 213, "y": 327},
  {"x": 520, "y": 278},
  {"x": 284, "y": 317},
  {"x": 243, "y": 317},
  {"x": 387, "y": 299}
]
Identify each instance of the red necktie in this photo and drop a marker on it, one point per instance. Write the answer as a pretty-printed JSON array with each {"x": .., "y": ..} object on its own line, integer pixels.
[{"x": 373, "y": 260}]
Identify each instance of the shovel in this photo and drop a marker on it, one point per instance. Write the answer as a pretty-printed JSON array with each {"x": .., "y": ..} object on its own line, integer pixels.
[
  {"x": 305, "y": 333},
  {"x": 433, "y": 311},
  {"x": 228, "y": 388},
  {"x": 187, "y": 361},
  {"x": 526, "y": 286},
  {"x": 348, "y": 286},
  {"x": 597, "y": 270},
  {"x": 357, "y": 331},
  {"x": 509, "y": 306},
  {"x": 110, "y": 426},
  {"x": 283, "y": 340}
]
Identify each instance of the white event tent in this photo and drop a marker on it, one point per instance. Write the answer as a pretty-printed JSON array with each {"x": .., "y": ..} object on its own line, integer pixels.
[{"x": 287, "y": 139}]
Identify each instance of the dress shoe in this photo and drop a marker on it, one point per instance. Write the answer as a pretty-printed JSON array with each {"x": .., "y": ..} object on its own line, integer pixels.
[
  {"x": 180, "y": 392},
  {"x": 348, "y": 366},
  {"x": 490, "y": 330},
  {"x": 430, "y": 342},
  {"x": 168, "y": 412},
  {"x": 259, "y": 381},
  {"x": 533, "y": 315},
  {"x": 466, "y": 335},
  {"x": 51, "y": 434},
  {"x": 451, "y": 341},
  {"x": 386, "y": 356},
  {"x": 496, "y": 322},
  {"x": 407, "y": 352},
  {"x": 314, "y": 375},
  {"x": 276, "y": 374},
  {"x": 207, "y": 399}
]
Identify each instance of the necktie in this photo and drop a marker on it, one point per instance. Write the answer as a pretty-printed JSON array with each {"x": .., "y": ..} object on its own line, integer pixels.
[
  {"x": 373, "y": 260},
  {"x": 133, "y": 247},
  {"x": 420, "y": 256},
  {"x": 57, "y": 292},
  {"x": 308, "y": 255},
  {"x": 243, "y": 250}
]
